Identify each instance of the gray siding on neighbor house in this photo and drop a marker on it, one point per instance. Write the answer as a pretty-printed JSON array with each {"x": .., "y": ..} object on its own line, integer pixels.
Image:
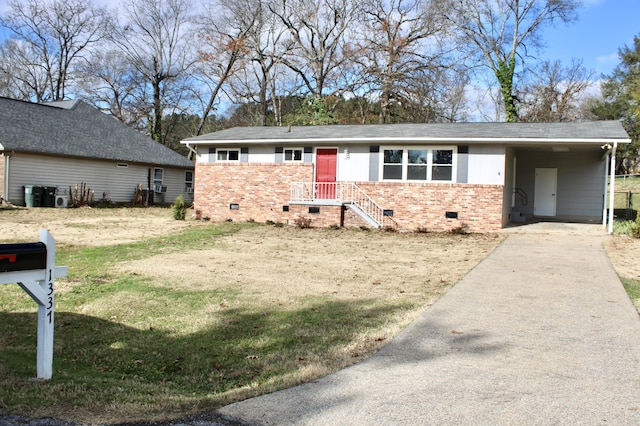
[
  {"x": 105, "y": 178},
  {"x": 580, "y": 190},
  {"x": 174, "y": 180}
]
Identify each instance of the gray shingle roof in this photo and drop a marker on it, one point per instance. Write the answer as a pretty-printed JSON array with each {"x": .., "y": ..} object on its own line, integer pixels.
[
  {"x": 594, "y": 131},
  {"x": 73, "y": 128}
]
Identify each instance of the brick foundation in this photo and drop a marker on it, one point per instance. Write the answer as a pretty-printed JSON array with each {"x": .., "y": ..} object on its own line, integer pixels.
[{"x": 262, "y": 190}]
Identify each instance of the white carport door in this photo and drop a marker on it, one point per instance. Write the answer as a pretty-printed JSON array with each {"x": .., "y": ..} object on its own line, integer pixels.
[{"x": 544, "y": 203}]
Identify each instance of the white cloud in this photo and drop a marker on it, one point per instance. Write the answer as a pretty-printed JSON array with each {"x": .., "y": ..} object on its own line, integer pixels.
[{"x": 608, "y": 60}]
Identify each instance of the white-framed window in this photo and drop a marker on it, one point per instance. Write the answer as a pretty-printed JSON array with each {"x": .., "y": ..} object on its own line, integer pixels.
[
  {"x": 293, "y": 154},
  {"x": 188, "y": 181},
  {"x": 418, "y": 164},
  {"x": 158, "y": 179},
  {"x": 228, "y": 155}
]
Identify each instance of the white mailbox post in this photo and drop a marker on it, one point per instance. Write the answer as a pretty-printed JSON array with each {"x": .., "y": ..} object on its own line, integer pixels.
[{"x": 32, "y": 266}]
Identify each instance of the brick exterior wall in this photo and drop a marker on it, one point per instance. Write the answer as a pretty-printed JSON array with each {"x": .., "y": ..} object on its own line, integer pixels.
[
  {"x": 425, "y": 205},
  {"x": 261, "y": 190}
]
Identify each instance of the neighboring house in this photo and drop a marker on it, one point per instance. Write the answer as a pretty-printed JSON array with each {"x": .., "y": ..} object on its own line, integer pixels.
[
  {"x": 439, "y": 177},
  {"x": 64, "y": 144}
]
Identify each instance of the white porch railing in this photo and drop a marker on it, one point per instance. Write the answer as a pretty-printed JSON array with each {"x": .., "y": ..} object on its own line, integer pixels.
[{"x": 341, "y": 193}]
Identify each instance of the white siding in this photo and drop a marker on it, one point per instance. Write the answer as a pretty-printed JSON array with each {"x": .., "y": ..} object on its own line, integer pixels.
[
  {"x": 257, "y": 154},
  {"x": 486, "y": 165},
  {"x": 103, "y": 177},
  {"x": 203, "y": 155},
  {"x": 263, "y": 154},
  {"x": 355, "y": 168}
]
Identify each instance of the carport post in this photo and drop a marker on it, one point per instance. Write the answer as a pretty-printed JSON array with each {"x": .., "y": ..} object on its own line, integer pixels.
[{"x": 612, "y": 184}]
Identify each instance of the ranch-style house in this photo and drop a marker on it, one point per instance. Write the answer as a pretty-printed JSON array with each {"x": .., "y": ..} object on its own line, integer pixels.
[{"x": 435, "y": 177}]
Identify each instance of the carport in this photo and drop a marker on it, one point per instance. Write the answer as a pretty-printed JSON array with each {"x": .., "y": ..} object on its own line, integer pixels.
[{"x": 565, "y": 180}]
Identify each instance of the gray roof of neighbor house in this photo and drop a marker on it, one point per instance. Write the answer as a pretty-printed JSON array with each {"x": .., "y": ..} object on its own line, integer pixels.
[
  {"x": 76, "y": 129},
  {"x": 573, "y": 132}
]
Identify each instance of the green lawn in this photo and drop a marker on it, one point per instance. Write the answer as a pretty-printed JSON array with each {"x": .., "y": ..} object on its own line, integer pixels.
[
  {"x": 132, "y": 346},
  {"x": 624, "y": 186}
]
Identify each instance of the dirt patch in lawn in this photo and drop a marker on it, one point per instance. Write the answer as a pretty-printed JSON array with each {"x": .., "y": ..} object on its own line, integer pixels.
[
  {"x": 88, "y": 226},
  {"x": 281, "y": 265},
  {"x": 624, "y": 252}
]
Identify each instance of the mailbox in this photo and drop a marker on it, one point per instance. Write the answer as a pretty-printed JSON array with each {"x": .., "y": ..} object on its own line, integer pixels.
[{"x": 23, "y": 257}]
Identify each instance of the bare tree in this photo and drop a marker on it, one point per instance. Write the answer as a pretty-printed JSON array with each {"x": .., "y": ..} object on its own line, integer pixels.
[
  {"x": 398, "y": 43},
  {"x": 49, "y": 37},
  {"x": 503, "y": 31},
  {"x": 23, "y": 76},
  {"x": 316, "y": 37},
  {"x": 112, "y": 84},
  {"x": 226, "y": 32},
  {"x": 157, "y": 39},
  {"x": 263, "y": 80},
  {"x": 556, "y": 95}
]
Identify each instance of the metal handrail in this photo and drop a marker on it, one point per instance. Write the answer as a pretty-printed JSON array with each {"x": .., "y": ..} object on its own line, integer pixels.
[{"x": 342, "y": 192}]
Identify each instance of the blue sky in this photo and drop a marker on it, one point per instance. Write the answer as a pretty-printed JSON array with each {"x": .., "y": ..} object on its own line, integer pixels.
[{"x": 602, "y": 28}]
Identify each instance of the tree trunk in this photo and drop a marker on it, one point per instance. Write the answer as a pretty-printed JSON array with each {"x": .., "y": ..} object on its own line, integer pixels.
[
  {"x": 156, "y": 127},
  {"x": 504, "y": 74}
]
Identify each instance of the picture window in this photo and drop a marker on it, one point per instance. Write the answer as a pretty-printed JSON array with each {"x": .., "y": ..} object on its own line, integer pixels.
[{"x": 418, "y": 164}]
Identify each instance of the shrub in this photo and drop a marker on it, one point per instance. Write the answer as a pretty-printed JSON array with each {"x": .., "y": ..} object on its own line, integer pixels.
[
  {"x": 179, "y": 208},
  {"x": 463, "y": 229},
  {"x": 635, "y": 227},
  {"x": 303, "y": 222}
]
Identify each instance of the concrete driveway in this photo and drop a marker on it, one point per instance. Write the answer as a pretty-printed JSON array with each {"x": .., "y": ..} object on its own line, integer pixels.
[{"x": 540, "y": 333}]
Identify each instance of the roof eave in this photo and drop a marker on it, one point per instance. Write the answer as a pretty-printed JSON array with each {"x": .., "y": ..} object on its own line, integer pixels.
[{"x": 509, "y": 141}]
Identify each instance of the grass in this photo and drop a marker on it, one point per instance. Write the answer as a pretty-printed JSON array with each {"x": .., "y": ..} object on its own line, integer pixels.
[
  {"x": 633, "y": 290},
  {"x": 132, "y": 346},
  {"x": 625, "y": 185}
]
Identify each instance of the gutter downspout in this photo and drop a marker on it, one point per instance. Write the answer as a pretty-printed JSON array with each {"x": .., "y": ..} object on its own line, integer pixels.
[
  {"x": 612, "y": 184},
  {"x": 6, "y": 156},
  {"x": 193, "y": 151}
]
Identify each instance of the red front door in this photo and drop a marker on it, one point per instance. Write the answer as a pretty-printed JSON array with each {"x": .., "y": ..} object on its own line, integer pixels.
[{"x": 326, "y": 160}]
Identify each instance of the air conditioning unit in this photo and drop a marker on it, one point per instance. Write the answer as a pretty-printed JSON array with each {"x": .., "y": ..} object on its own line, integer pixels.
[
  {"x": 159, "y": 188},
  {"x": 188, "y": 190},
  {"x": 62, "y": 201}
]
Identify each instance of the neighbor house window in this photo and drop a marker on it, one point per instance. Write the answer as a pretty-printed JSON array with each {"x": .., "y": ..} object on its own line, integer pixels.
[
  {"x": 293, "y": 154},
  {"x": 228, "y": 155},
  {"x": 188, "y": 181},
  {"x": 418, "y": 164},
  {"x": 158, "y": 178}
]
